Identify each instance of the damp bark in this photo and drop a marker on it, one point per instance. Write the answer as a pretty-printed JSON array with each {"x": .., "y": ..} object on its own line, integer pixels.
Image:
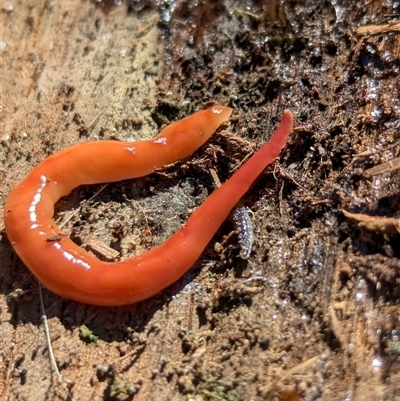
[{"x": 313, "y": 312}]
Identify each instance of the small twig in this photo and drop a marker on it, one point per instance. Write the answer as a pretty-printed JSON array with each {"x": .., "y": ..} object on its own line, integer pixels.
[
  {"x": 102, "y": 251},
  {"x": 242, "y": 162},
  {"x": 94, "y": 122},
  {"x": 377, "y": 224},
  {"x": 291, "y": 372},
  {"x": 215, "y": 178},
  {"x": 374, "y": 152},
  {"x": 378, "y": 29},
  {"x": 382, "y": 168},
  {"x": 238, "y": 11},
  {"x": 281, "y": 198},
  {"x": 148, "y": 230},
  {"x": 299, "y": 367},
  {"x": 75, "y": 212},
  {"x": 53, "y": 362},
  {"x": 367, "y": 153},
  {"x": 290, "y": 177}
]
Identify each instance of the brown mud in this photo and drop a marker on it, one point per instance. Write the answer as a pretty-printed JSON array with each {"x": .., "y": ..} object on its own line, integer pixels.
[{"x": 313, "y": 314}]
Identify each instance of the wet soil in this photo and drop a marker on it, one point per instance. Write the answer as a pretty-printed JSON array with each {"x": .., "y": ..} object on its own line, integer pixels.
[{"x": 313, "y": 314}]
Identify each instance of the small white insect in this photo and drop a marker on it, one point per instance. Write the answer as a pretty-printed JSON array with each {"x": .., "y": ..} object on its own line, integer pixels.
[{"x": 244, "y": 227}]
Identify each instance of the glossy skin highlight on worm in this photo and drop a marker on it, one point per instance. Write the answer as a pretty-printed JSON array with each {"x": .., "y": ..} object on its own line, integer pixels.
[{"x": 69, "y": 271}]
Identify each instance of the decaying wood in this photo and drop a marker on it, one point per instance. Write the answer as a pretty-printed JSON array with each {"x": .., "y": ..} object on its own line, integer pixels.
[{"x": 232, "y": 328}]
